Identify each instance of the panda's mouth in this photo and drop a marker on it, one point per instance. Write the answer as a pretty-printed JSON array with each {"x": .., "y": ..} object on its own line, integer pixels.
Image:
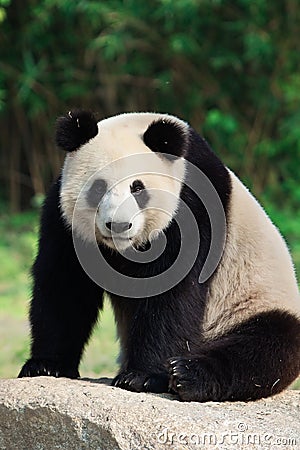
[
  {"x": 118, "y": 243},
  {"x": 116, "y": 238}
]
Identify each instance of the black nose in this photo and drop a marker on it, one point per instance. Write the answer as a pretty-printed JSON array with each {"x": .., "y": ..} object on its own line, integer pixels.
[{"x": 118, "y": 227}]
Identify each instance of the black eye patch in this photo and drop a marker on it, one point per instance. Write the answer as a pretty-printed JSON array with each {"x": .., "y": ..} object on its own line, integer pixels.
[
  {"x": 96, "y": 192},
  {"x": 140, "y": 193}
]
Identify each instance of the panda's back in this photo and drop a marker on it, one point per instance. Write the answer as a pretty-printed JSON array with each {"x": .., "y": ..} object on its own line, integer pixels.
[{"x": 256, "y": 273}]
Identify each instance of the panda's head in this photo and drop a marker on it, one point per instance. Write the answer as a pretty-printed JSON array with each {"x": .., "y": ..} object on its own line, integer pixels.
[{"x": 122, "y": 176}]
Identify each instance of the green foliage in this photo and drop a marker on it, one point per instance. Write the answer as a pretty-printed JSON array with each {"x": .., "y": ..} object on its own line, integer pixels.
[
  {"x": 230, "y": 68},
  {"x": 3, "y": 4},
  {"x": 17, "y": 248}
]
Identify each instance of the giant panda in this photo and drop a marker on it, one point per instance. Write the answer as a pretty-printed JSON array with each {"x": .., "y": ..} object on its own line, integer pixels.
[{"x": 139, "y": 183}]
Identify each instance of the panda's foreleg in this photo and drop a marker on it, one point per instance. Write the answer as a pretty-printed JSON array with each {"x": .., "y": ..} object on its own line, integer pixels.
[
  {"x": 136, "y": 381},
  {"x": 144, "y": 327},
  {"x": 256, "y": 359},
  {"x": 146, "y": 375},
  {"x": 65, "y": 302}
]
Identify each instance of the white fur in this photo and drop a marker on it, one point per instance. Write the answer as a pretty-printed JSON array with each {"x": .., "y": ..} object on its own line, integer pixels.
[
  {"x": 256, "y": 273},
  {"x": 103, "y": 157}
]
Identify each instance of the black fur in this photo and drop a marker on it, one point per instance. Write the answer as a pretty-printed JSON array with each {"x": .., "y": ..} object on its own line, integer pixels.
[
  {"x": 162, "y": 345},
  {"x": 142, "y": 382},
  {"x": 75, "y": 129},
  {"x": 166, "y": 136},
  {"x": 65, "y": 302},
  {"x": 96, "y": 192},
  {"x": 258, "y": 358},
  {"x": 140, "y": 193}
]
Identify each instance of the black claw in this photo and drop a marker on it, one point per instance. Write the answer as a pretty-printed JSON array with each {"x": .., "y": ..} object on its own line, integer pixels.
[
  {"x": 142, "y": 382},
  {"x": 36, "y": 368}
]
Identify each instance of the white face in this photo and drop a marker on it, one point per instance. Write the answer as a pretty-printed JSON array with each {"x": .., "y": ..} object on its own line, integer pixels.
[
  {"x": 119, "y": 218},
  {"x": 117, "y": 189}
]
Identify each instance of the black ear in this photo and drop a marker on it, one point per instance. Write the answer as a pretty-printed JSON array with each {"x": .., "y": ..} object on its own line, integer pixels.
[
  {"x": 75, "y": 129},
  {"x": 166, "y": 136}
]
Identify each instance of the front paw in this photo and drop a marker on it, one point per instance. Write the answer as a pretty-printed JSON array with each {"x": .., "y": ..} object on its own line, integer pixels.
[
  {"x": 142, "y": 382},
  {"x": 193, "y": 379},
  {"x": 39, "y": 367}
]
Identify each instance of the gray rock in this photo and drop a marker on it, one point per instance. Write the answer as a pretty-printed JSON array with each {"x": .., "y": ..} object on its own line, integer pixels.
[{"x": 47, "y": 413}]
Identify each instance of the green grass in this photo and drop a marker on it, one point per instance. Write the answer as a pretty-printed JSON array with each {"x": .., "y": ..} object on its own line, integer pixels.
[{"x": 18, "y": 236}]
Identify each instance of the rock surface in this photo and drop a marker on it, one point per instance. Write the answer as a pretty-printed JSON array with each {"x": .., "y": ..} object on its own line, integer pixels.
[{"x": 47, "y": 413}]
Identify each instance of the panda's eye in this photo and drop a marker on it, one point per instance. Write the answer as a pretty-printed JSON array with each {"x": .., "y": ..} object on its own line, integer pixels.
[{"x": 136, "y": 187}]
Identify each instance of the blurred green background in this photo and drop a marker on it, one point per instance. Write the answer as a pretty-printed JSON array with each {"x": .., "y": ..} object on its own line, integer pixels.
[{"x": 232, "y": 69}]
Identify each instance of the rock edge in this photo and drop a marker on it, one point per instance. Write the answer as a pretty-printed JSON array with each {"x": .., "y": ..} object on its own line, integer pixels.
[{"x": 48, "y": 413}]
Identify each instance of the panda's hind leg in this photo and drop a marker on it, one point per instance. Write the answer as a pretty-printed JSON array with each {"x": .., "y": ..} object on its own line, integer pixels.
[{"x": 256, "y": 359}]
